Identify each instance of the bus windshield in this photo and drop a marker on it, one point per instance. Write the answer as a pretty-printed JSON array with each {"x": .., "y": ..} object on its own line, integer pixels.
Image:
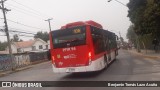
[{"x": 69, "y": 37}]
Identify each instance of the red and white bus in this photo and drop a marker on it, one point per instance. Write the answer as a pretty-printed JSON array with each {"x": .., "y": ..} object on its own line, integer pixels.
[{"x": 82, "y": 47}]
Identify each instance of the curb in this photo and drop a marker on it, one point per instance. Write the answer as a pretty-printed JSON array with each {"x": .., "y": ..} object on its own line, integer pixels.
[
  {"x": 147, "y": 56},
  {"x": 17, "y": 70},
  {"x": 38, "y": 62}
]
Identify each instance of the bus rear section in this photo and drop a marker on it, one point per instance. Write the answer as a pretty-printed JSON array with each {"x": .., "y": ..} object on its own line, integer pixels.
[
  {"x": 82, "y": 48},
  {"x": 70, "y": 51}
]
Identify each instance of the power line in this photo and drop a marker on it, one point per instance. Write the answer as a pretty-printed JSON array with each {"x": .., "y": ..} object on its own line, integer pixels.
[
  {"x": 30, "y": 8},
  {"x": 21, "y": 32},
  {"x": 3, "y": 35},
  {"x": 25, "y": 25},
  {"x": 29, "y": 12},
  {"x": 14, "y": 31},
  {"x": 25, "y": 35},
  {"x": 10, "y": 28}
]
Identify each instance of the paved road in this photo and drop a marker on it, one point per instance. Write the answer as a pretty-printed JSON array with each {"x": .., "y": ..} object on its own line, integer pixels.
[{"x": 127, "y": 67}]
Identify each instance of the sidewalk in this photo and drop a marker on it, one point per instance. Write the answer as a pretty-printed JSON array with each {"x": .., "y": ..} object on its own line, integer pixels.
[
  {"x": 148, "y": 54},
  {"x": 4, "y": 73}
]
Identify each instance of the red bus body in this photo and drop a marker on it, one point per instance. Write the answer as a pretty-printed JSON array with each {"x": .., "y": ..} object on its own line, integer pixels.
[{"x": 84, "y": 54}]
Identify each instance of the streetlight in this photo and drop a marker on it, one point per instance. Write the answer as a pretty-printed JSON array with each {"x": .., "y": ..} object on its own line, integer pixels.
[
  {"x": 118, "y": 2},
  {"x": 137, "y": 35}
]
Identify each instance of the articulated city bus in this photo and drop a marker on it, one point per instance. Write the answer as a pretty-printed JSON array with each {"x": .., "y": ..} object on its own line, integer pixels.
[{"x": 82, "y": 47}]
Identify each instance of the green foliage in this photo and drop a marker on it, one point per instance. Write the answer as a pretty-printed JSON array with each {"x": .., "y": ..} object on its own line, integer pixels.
[
  {"x": 3, "y": 45},
  {"x": 42, "y": 35},
  {"x": 131, "y": 35},
  {"x": 145, "y": 15},
  {"x": 152, "y": 17},
  {"x": 135, "y": 13},
  {"x": 147, "y": 40}
]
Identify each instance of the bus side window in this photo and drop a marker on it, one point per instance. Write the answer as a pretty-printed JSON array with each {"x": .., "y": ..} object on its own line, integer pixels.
[
  {"x": 106, "y": 43},
  {"x": 56, "y": 41},
  {"x": 98, "y": 41}
]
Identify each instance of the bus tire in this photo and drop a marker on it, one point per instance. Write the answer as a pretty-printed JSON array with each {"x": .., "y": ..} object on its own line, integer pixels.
[
  {"x": 105, "y": 61},
  {"x": 116, "y": 53}
]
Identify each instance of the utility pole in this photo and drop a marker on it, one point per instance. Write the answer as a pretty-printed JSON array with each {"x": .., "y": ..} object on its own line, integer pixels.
[
  {"x": 121, "y": 39},
  {"x": 49, "y": 23},
  {"x": 4, "y": 10}
]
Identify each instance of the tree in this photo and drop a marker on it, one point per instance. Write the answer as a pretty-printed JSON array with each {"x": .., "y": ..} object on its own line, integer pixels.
[
  {"x": 16, "y": 38},
  {"x": 42, "y": 35},
  {"x": 152, "y": 18},
  {"x": 145, "y": 15},
  {"x": 131, "y": 35},
  {"x": 135, "y": 13},
  {"x": 3, "y": 45}
]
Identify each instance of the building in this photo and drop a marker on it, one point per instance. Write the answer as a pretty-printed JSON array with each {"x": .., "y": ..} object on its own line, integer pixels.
[{"x": 36, "y": 45}]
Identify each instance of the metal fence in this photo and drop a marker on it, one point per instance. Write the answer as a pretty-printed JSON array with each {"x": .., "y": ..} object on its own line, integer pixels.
[
  {"x": 38, "y": 56},
  {"x": 21, "y": 60}
]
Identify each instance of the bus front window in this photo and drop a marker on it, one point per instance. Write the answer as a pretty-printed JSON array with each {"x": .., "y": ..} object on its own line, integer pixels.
[{"x": 69, "y": 36}]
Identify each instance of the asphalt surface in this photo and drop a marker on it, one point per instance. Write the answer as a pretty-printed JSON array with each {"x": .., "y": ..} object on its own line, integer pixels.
[{"x": 127, "y": 67}]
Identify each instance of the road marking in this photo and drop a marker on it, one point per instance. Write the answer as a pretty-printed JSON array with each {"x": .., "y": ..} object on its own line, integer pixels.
[
  {"x": 138, "y": 61},
  {"x": 151, "y": 61}
]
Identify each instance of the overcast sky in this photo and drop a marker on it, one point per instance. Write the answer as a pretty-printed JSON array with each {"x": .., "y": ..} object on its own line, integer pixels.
[{"x": 112, "y": 16}]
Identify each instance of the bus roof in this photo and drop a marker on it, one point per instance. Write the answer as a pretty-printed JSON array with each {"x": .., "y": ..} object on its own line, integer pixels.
[{"x": 80, "y": 23}]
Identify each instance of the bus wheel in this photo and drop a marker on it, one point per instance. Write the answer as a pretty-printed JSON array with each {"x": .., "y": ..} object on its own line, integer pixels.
[
  {"x": 105, "y": 61},
  {"x": 115, "y": 54}
]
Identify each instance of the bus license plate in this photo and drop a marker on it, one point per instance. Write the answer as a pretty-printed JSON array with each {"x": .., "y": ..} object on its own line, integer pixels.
[{"x": 71, "y": 69}]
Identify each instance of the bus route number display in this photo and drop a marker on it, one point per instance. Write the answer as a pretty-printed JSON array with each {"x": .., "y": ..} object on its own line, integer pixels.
[{"x": 75, "y": 31}]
